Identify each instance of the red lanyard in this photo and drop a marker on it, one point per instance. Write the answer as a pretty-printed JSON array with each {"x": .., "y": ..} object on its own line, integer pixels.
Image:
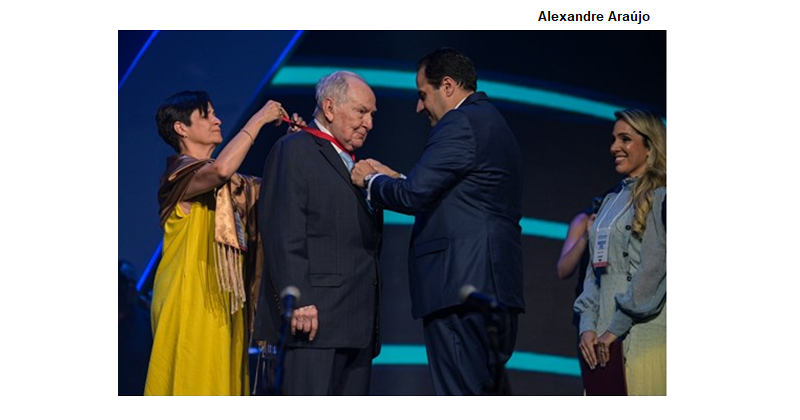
[{"x": 321, "y": 135}]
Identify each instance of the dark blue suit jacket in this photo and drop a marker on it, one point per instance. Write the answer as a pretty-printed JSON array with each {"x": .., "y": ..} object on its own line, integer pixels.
[
  {"x": 320, "y": 236},
  {"x": 466, "y": 194}
]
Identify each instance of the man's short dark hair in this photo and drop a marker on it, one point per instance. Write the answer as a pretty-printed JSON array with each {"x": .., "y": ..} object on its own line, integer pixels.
[
  {"x": 179, "y": 107},
  {"x": 449, "y": 62}
]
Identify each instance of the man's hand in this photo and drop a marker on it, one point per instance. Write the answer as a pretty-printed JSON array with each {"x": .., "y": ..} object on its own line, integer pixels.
[
  {"x": 360, "y": 170},
  {"x": 381, "y": 168},
  {"x": 305, "y": 319}
]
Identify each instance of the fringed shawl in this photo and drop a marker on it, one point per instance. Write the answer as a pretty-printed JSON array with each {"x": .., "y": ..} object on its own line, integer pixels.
[{"x": 235, "y": 230}]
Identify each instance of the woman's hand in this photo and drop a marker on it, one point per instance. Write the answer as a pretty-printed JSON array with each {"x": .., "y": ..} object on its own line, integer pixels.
[
  {"x": 271, "y": 112},
  {"x": 298, "y": 122},
  {"x": 587, "y": 346},
  {"x": 604, "y": 347}
]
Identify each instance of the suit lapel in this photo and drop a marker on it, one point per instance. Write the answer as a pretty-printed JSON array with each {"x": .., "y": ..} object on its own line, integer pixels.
[{"x": 329, "y": 152}]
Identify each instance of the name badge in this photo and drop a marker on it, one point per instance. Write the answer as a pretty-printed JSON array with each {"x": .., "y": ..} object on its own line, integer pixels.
[{"x": 601, "y": 248}]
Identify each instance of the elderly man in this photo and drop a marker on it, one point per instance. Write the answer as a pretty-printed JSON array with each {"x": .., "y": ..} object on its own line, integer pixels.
[
  {"x": 321, "y": 236},
  {"x": 466, "y": 193}
]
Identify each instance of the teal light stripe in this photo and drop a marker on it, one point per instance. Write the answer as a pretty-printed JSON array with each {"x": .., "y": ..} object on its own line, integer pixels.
[
  {"x": 548, "y": 99},
  {"x": 402, "y": 354},
  {"x": 543, "y": 228},
  {"x": 406, "y": 354},
  {"x": 545, "y": 363},
  {"x": 392, "y": 218},
  {"x": 393, "y": 79},
  {"x": 530, "y": 226},
  {"x": 303, "y": 76}
]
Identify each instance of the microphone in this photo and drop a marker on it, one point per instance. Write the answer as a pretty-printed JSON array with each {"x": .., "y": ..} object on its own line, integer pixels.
[
  {"x": 290, "y": 295},
  {"x": 289, "y": 298},
  {"x": 471, "y": 296}
]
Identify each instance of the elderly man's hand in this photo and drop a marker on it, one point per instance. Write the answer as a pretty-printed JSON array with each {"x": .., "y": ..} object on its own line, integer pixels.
[{"x": 305, "y": 320}]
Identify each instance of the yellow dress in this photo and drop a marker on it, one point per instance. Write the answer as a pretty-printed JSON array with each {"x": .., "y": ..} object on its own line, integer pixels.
[{"x": 198, "y": 345}]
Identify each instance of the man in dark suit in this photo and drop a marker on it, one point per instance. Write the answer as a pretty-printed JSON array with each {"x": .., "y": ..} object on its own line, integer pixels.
[
  {"x": 321, "y": 236},
  {"x": 466, "y": 193}
]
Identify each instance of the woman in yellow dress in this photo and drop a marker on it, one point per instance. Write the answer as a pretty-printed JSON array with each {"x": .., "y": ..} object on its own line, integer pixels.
[{"x": 199, "y": 307}]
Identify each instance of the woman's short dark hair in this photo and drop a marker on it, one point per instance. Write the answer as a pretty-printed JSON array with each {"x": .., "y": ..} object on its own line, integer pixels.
[
  {"x": 179, "y": 107},
  {"x": 449, "y": 62}
]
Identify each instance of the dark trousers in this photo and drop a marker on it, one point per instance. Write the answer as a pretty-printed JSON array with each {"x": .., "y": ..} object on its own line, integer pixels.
[
  {"x": 459, "y": 351},
  {"x": 327, "y": 371}
]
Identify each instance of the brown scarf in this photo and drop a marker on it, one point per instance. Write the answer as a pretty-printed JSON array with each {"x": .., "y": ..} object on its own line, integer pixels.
[{"x": 235, "y": 230}]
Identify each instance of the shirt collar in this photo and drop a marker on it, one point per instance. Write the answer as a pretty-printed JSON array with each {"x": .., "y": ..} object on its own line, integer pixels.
[
  {"x": 462, "y": 101},
  {"x": 628, "y": 182},
  {"x": 326, "y": 131}
]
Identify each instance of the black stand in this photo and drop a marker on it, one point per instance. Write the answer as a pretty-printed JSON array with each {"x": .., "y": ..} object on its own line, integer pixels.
[
  {"x": 279, "y": 366},
  {"x": 264, "y": 370},
  {"x": 498, "y": 384}
]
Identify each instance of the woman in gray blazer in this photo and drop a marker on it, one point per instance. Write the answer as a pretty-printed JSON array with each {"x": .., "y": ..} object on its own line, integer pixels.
[{"x": 624, "y": 296}]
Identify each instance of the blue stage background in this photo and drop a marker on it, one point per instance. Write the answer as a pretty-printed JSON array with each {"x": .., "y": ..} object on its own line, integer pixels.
[{"x": 555, "y": 88}]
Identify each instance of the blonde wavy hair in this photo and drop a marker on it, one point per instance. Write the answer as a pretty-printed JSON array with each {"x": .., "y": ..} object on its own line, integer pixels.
[{"x": 649, "y": 126}]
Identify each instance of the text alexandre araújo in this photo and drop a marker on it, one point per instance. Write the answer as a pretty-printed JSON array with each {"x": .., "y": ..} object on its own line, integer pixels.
[{"x": 637, "y": 17}]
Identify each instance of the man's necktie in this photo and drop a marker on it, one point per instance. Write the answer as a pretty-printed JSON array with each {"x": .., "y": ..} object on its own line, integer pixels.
[{"x": 348, "y": 161}]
